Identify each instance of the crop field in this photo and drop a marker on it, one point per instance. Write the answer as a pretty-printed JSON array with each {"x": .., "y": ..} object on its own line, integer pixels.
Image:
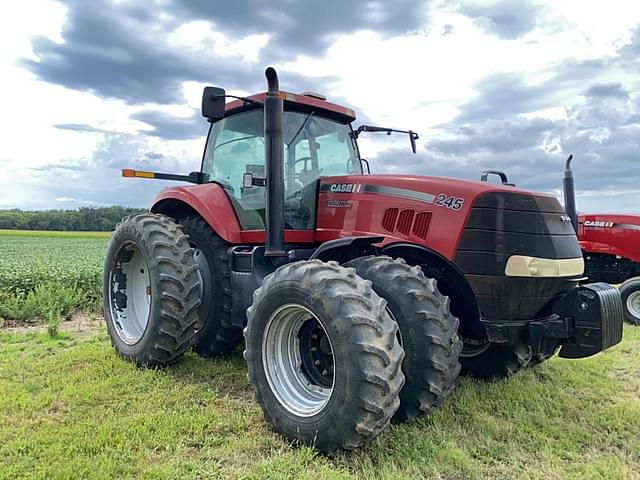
[
  {"x": 50, "y": 274},
  {"x": 71, "y": 408}
]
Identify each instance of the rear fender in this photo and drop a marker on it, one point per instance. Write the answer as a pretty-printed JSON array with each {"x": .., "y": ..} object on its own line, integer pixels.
[{"x": 208, "y": 201}]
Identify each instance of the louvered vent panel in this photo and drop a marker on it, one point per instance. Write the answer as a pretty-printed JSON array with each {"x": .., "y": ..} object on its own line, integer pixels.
[
  {"x": 405, "y": 219},
  {"x": 389, "y": 219},
  {"x": 421, "y": 224}
]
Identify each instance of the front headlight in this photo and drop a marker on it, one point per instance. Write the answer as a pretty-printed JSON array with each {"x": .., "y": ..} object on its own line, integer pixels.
[{"x": 523, "y": 266}]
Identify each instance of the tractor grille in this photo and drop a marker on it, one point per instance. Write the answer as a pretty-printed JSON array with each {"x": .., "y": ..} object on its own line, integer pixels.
[
  {"x": 406, "y": 222},
  {"x": 389, "y": 219}
]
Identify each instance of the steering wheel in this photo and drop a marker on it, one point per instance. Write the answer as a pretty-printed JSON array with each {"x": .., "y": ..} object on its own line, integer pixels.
[{"x": 301, "y": 159}]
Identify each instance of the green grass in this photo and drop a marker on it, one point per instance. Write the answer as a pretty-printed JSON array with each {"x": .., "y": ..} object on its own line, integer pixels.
[
  {"x": 73, "y": 409},
  {"x": 42, "y": 273}
]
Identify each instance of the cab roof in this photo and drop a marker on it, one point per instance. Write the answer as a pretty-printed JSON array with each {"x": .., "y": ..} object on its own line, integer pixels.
[{"x": 298, "y": 102}]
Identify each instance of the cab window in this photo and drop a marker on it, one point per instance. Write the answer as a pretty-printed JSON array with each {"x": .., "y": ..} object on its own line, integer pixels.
[{"x": 314, "y": 146}]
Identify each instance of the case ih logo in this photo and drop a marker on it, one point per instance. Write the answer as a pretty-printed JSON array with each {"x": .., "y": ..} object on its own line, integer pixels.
[
  {"x": 597, "y": 224},
  {"x": 343, "y": 187}
]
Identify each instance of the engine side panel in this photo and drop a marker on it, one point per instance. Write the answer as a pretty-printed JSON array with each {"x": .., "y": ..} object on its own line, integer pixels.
[
  {"x": 610, "y": 234},
  {"x": 429, "y": 211}
]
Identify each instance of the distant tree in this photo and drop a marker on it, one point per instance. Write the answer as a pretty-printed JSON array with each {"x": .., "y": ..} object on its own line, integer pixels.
[{"x": 84, "y": 219}]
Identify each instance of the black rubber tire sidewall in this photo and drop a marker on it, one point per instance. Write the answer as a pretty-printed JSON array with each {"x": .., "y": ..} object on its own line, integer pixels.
[{"x": 216, "y": 336}]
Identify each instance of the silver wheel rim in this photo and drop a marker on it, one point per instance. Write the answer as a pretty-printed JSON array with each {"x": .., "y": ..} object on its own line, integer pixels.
[
  {"x": 130, "y": 294},
  {"x": 286, "y": 366},
  {"x": 633, "y": 304}
]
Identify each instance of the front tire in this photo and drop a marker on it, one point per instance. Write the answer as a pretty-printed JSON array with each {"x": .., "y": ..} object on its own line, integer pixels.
[
  {"x": 151, "y": 290},
  {"x": 323, "y": 355},
  {"x": 427, "y": 328},
  {"x": 630, "y": 293}
]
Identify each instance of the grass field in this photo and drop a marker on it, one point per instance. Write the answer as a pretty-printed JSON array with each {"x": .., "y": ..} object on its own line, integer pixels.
[{"x": 72, "y": 409}]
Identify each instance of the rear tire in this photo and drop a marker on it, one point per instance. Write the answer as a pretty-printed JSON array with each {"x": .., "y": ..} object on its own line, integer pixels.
[
  {"x": 630, "y": 293},
  {"x": 323, "y": 355},
  {"x": 493, "y": 361},
  {"x": 428, "y": 331},
  {"x": 216, "y": 336},
  {"x": 151, "y": 290}
]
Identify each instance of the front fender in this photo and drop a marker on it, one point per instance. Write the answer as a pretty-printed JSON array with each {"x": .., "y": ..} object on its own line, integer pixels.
[{"x": 209, "y": 201}]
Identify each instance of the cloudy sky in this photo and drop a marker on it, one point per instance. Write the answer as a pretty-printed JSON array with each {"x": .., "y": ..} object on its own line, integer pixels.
[{"x": 90, "y": 87}]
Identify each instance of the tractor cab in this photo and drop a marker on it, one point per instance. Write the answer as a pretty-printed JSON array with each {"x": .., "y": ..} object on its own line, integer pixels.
[{"x": 318, "y": 141}]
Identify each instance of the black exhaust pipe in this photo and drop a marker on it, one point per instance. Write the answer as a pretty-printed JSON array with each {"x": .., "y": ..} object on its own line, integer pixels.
[
  {"x": 274, "y": 159},
  {"x": 570, "y": 194}
]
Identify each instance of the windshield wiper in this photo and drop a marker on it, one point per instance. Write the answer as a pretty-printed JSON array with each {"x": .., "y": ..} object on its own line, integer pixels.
[
  {"x": 300, "y": 129},
  {"x": 413, "y": 136}
]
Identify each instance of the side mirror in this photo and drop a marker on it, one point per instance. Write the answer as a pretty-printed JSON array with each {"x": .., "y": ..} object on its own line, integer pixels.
[
  {"x": 249, "y": 181},
  {"x": 413, "y": 136},
  {"x": 213, "y": 100}
]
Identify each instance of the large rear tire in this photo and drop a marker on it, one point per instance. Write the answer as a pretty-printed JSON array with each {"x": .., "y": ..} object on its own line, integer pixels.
[
  {"x": 216, "y": 336},
  {"x": 323, "y": 355},
  {"x": 151, "y": 290},
  {"x": 428, "y": 332},
  {"x": 630, "y": 293},
  {"x": 493, "y": 361}
]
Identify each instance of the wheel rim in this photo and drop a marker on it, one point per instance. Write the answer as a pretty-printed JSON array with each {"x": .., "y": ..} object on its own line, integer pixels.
[
  {"x": 472, "y": 347},
  {"x": 298, "y": 360},
  {"x": 633, "y": 304},
  {"x": 130, "y": 294}
]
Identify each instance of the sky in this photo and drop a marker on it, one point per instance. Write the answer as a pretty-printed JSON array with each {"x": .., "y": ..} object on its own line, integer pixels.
[{"x": 91, "y": 87}]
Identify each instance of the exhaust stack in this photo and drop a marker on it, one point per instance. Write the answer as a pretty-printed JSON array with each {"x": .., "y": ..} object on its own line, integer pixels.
[
  {"x": 570, "y": 194},
  {"x": 274, "y": 160}
]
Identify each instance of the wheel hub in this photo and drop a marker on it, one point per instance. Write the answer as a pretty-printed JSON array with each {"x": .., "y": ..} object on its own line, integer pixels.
[{"x": 316, "y": 354}]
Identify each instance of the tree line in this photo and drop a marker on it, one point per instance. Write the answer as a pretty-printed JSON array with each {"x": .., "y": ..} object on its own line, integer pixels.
[{"x": 84, "y": 219}]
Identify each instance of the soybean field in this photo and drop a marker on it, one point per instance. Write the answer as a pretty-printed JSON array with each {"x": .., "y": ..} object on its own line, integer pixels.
[{"x": 50, "y": 274}]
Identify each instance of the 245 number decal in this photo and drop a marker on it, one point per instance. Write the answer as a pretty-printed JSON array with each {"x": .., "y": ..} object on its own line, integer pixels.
[{"x": 454, "y": 203}]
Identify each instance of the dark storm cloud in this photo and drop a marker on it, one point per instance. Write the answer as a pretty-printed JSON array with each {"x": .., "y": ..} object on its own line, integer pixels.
[
  {"x": 607, "y": 90},
  {"x": 170, "y": 127},
  {"x": 305, "y": 26},
  {"x": 507, "y": 18},
  {"x": 506, "y": 95},
  {"x": 119, "y": 50},
  {"x": 605, "y": 139},
  {"x": 115, "y": 50}
]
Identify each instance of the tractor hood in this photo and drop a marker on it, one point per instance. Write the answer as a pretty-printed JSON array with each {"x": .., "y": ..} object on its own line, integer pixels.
[{"x": 422, "y": 188}]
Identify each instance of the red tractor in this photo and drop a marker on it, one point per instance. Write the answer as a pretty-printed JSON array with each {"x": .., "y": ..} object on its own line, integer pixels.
[
  {"x": 611, "y": 247},
  {"x": 361, "y": 297}
]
